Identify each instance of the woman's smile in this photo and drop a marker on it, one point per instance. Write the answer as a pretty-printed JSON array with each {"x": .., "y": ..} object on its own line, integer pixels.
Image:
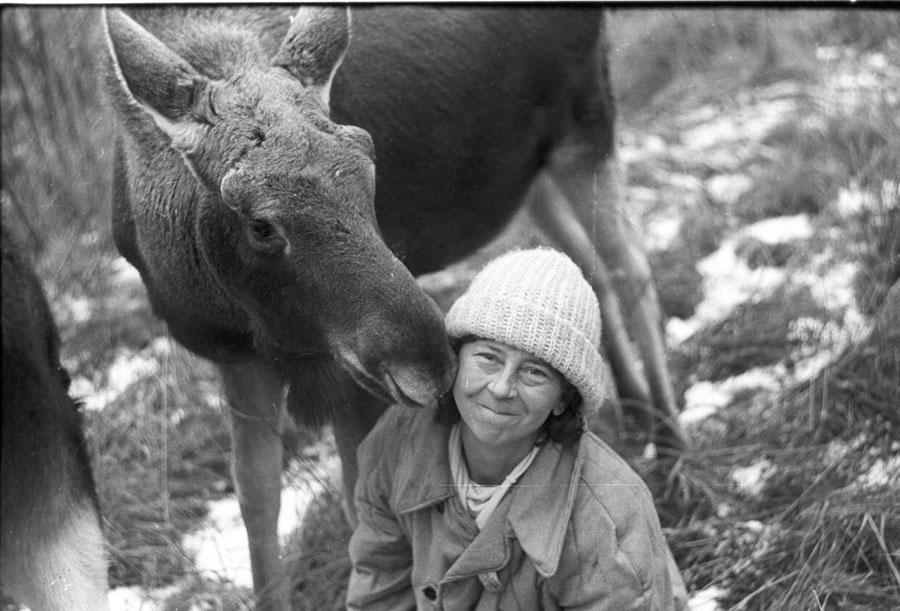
[
  {"x": 498, "y": 411},
  {"x": 504, "y": 394}
]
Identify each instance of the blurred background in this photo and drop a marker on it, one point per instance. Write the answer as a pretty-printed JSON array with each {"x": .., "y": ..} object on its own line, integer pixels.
[{"x": 763, "y": 158}]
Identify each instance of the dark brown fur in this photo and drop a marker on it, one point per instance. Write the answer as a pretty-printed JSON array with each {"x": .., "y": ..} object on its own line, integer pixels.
[{"x": 47, "y": 485}]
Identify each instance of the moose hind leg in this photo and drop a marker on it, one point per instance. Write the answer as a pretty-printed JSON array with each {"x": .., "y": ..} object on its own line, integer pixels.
[
  {"x": 591, "y": 184},
  {"x": 552, "y": 212},
  {"x": 256, "y": 396}
]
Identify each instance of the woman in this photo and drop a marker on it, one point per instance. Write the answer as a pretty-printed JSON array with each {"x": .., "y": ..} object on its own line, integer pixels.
[{"x": 498, "y": 498}]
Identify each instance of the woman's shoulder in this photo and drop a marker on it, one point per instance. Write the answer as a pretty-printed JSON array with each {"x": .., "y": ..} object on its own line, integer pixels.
[
  {"x": 608, "y": 481},
  {"x": 406, "y": 450},
  {"x": 613, "y": 523},
  {"x": 398, "y": 424},
  {"x": 407, "y": 419}
]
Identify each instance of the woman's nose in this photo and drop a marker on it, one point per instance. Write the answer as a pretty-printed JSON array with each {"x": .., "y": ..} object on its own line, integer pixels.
[{"x": 503, "y": 382}]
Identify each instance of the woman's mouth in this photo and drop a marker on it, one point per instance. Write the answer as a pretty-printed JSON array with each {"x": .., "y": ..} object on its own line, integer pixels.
[{"x": 495, "y": 410}]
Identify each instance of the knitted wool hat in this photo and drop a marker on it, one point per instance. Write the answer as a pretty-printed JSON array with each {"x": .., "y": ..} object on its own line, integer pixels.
[{"x": 538, "y": 301}]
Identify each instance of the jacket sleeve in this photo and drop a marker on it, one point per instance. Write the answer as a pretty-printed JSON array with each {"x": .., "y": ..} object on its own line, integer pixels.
[
  {"x": 380, "y": 552},
  {"x": 617, "y": 560}
]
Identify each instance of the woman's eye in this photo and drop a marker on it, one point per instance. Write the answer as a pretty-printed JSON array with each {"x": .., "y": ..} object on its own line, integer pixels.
[
  {"x": 486, "y": 357},
  {"x": 533, "y": 374}
]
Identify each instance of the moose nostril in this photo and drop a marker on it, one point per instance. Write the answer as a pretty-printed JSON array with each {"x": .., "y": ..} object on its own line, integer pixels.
[{"x": 411, "y": 385}]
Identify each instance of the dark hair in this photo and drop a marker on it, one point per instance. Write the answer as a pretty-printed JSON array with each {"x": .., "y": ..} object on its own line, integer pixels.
[{"x": 564, "y": 429}]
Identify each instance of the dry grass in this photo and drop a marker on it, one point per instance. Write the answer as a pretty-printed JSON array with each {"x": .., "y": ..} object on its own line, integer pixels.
[
  {"x": 693, "y": 55},
  {"x": 756, "y": 334},
  {"x": 162, "y": 450},
  {"x": 318, "y": 555},
  {"x": 56, "y": 140},
  {"x": 665, "y": 57},
  {"x": 816, "y": 533},
  {"x": 813, "y": 536},
  {"x": 878, "y": 231}
]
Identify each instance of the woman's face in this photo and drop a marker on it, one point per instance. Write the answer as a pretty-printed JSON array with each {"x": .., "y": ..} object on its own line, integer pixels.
[{"x": 504, "y": 394}]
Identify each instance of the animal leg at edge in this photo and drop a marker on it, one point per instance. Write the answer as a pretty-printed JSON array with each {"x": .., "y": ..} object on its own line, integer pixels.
[{"x": 256, "y": 397}]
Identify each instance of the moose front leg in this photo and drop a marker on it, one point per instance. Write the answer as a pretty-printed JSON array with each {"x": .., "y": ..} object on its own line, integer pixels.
[
  {"x": 585, "y": 205},
  {"x": 255, "y": 394},
  {"x": 360, "y": 413}
]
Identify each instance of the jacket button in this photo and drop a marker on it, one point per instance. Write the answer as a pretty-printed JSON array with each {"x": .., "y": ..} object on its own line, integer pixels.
[{"x": 429, "y": 592}]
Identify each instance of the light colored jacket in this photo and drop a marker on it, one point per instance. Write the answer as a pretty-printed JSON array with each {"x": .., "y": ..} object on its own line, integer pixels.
[{"x": 577, "y": 531}]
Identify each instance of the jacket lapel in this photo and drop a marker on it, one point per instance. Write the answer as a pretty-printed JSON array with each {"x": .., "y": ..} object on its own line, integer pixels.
[
  {"x": 542, "y": 504},
  {"x": 423, "y": 475}
]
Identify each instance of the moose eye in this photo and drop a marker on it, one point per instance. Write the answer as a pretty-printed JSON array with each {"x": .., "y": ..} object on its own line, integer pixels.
[
  {"x": 262, "y": 230},
  {"x": 264, "y": 236}
]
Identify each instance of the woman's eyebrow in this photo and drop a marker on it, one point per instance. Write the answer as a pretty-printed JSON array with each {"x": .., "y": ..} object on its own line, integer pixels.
[
  {"x": 491, "y": 345},
  {"x": 539, "y": 362}
]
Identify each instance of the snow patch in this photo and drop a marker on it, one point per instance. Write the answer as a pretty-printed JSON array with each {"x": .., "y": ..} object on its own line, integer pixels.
[
  {"x": 649, "y": 146},
  {"x": 679, "y": 330},
  {"x": 135, "y": 598},
  {"x": 728, "y": 282},
  {"x": 852, "y": 201},
  {"x": 751, "y": 480},
  {"x": 754, "y": 526},
  {"x": 701, "y": 401},
  {"x": 706, "y": 599},
  {"x": 781, "y": 229},
  {"x": 220, "y": 549},
  {"x": 125, "y": 371},
  {"x": 124, "y": 273},
  {"x": 832, "y": 287},
  {"x": 704, "y": 399},
  {"x": 881, "y": 474},
  {"x": 836, "y": 451},
  {"x": 661, "y": 232},
  {"x": 752, "y": 125},
  {"x": 810, "y": 367},
  {"x": 80, "y": 386},
  {"x": 684, "y": 181},
  {"x": 127, "y": 368},
  {"x": 728, "y": 188},
  {"x": 828, "y": 53},
  {"x": 76, "y": 309}
]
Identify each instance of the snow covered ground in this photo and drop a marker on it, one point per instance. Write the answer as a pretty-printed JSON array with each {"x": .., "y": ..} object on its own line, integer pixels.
[{"x": 219, "y": 548}]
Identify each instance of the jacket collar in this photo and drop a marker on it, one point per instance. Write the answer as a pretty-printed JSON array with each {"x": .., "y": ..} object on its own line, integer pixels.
[
  {"x": 536, "y": 511},
  {"x": 423, "y": 473},
  {"x": 541, "y": 504}
]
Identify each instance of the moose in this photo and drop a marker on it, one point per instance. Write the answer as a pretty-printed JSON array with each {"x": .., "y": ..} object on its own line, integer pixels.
[
  {"x": 52, "y": 549},
  {"x": 279, "y": 184}
]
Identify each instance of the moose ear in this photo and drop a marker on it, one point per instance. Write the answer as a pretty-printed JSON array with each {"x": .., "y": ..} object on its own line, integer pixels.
[
  {"x": 314, "y": 46},
  {"x": 158, "y": 79}
]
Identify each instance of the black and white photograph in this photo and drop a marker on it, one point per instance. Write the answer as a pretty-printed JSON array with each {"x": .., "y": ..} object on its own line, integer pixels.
[{"x": 525, "y": 305}]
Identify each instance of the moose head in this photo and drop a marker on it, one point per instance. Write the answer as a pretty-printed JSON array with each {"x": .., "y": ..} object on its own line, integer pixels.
[{"x": 282, "y": 198}]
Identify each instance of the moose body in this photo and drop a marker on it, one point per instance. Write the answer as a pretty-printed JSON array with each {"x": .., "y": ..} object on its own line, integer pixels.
[
  {"x": 51, "y": 549},
  {"x": 251, "y": 170}
]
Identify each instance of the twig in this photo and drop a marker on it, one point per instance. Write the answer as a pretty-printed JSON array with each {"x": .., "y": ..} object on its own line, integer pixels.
[
  {"x": 887, "y": 553},
  {"x": 743, "y": 603}
]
